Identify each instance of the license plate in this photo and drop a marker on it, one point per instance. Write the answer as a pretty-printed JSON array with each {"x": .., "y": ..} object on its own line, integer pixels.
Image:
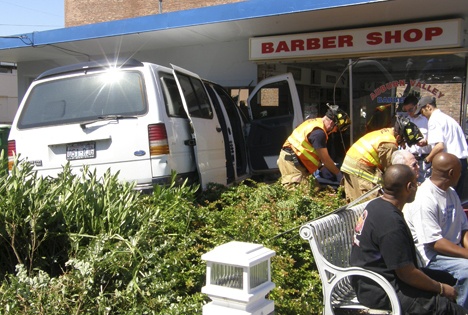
[{"x": 81, "y": 151}]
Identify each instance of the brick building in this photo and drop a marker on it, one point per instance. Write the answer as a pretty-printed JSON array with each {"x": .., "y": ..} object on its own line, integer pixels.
[{"x": 81, "y": 12}]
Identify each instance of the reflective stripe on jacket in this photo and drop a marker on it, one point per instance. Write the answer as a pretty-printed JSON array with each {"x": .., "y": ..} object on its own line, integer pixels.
[
  {"x": 365, "y": 151},
  {"x": 371, "y": 177},
  {"x": 299, "y": 142}
]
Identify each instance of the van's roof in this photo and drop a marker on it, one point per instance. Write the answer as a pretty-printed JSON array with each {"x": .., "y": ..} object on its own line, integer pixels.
[{"x": 90, "y": 65}]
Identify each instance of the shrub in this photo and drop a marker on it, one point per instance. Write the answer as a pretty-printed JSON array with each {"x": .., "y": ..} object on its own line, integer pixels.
[{"x": 91, "y": 245}]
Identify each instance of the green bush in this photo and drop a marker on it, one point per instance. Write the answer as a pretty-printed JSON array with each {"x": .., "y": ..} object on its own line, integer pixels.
[{"x": 92, "y": 245}]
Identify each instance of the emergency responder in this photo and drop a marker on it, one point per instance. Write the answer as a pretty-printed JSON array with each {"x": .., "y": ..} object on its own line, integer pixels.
[
  {"x": 306, "y": 148},
  {"x": 370, "y": 156}
]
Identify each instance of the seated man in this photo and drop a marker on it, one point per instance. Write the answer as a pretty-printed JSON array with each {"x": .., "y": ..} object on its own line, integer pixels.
[
  {"x": 438, "y": 223},
  {"x": 383, "y": 244}
]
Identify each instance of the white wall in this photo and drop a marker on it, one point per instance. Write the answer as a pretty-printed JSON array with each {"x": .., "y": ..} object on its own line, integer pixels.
[
  {"x": 8, "y": 97},
  {"x": 224, "y": 63}
]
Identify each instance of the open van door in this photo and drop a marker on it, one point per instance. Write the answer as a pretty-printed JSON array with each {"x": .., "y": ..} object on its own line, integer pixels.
[
  {"x": 207, "y": 137},
  {"x": 275, "y": 110}
]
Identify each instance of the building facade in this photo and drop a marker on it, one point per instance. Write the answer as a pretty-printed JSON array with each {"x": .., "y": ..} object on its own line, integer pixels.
[
  {"x": 364, "y": 56},
  {"x": 81, "y": 12}
]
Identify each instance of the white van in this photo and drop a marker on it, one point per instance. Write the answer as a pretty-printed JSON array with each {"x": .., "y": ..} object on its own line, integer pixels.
[{"x": 145, "y": 121}]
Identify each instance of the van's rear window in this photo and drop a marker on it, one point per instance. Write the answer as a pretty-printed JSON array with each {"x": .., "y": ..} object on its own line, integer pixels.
[{"x": 84, "y": 97}]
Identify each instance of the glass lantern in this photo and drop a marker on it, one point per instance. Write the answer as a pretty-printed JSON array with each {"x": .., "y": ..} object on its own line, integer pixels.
[{"x": 238, "y": 278}]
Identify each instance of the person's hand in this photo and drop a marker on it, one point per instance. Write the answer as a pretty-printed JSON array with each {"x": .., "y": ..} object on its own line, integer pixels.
[
  {"x": 339, "y": 178},
  {"x": 449, "y": 292},
  {"x": 422, "y": 143}
]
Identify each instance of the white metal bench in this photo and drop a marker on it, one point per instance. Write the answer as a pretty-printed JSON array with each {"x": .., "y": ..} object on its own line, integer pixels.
[{"x": 330, "y": 239}]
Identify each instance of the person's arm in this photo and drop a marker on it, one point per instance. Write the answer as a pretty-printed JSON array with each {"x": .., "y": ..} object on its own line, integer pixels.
[
  {"x": 418, "y": 279},
  {"x": 327, "y": 160},
  {"x": 422, "y": 123},
  {"x": 318, "y": 140},
  {"x": 445, "y": 247},
  {"x": 385, "y": 152},
  {"x": 465, "y": 239},
  {"x": 439, "y": 147}
]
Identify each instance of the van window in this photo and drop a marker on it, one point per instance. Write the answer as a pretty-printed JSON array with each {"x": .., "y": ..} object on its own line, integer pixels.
[
  {"x": 196, "y": 97},
  {"x": 172, "y": 98},
  {"x": 273, "y": 100},
  {"x": 84, "y": 97}
]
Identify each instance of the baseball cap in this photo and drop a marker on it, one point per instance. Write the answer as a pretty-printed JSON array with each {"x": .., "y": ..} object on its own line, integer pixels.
[{"x": 423, "y": 102}]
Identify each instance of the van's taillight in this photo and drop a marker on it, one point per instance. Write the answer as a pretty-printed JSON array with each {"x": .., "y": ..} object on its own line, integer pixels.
[
  {"x": 11, "y": 153},
  {"x": 158, "y": 139}
]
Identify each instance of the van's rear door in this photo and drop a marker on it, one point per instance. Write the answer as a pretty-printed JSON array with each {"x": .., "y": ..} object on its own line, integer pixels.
[
  {"x": 274, "y": 110},
  {"x": 207, "y": 133}
]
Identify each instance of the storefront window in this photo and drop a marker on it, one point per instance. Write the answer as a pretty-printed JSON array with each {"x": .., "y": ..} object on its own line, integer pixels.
[{"x": 379, "y": 86}]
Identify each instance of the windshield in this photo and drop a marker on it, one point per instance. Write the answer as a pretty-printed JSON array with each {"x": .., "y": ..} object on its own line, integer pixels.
[{"x": 84, "y": 97}]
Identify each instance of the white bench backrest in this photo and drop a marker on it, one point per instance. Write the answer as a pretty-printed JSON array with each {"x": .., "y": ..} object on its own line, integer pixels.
[{"x": 333, "y": 235}]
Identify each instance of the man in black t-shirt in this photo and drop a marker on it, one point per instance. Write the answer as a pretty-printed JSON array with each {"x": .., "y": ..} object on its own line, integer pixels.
[{"x": 383, "y": 244}]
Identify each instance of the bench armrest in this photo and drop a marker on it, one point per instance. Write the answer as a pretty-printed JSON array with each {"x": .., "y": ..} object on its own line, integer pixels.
[
  {"x": 381, "y": 281},
  {"x": 331, "y": 275}
]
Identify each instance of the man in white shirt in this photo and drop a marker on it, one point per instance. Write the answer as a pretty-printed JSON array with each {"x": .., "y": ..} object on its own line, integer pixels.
[
  {"x": 422, "y": 149},
  {"x": 438, "y": 223},
  {"x": 444, "y": 135}
]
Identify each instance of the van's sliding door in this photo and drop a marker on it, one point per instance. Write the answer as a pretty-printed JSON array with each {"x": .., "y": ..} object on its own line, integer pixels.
[{"x": 206, "y": 131}]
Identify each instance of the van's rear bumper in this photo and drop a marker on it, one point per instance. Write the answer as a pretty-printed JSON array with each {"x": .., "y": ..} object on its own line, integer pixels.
[{"x": 191, "y": 178}]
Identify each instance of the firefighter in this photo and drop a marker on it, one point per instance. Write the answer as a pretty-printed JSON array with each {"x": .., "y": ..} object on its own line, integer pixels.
[
  {"x": 370, "y": 156},
  {"x": 306, "y": 148}
]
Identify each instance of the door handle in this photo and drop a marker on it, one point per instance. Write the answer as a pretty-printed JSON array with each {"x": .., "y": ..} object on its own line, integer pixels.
[{"x": 219, "y": 129}]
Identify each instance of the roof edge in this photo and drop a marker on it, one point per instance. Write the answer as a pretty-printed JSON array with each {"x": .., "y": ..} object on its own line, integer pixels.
[{"x": 177, "y": 19}]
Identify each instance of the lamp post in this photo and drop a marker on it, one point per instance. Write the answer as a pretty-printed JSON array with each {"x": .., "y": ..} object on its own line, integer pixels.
[{"x": 238, "y": 278}]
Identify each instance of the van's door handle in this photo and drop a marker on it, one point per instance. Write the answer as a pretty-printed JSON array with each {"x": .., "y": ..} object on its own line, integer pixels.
[
  {"x": 190, "y": 142},
  {"x": 219, "y": 129}
]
